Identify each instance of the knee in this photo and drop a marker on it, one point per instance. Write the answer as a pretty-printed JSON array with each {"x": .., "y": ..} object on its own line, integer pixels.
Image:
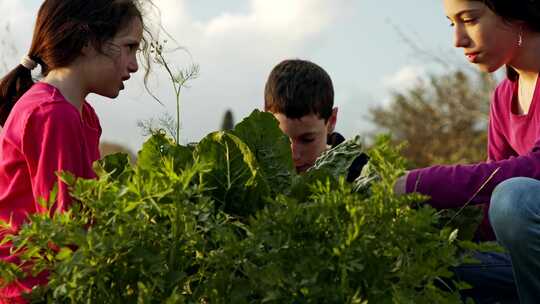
[{"x": 511, "y": 207}]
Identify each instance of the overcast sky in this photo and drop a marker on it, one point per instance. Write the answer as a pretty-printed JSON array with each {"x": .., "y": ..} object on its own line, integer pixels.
[{"x": 237, "y": 42}]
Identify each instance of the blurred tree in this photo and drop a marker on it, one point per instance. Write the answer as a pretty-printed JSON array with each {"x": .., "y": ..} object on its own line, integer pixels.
[
  {"x": 444, "y": 120},
  {"x": 107, "y": 148},
  {"x": 228, "y": 121}
]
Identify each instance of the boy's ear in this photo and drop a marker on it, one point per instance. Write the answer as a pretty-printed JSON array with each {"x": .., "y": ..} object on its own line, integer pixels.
[{"x": 332, "y": 120}]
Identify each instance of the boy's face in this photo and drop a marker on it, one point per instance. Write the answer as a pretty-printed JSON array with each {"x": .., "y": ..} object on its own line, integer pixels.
[{"x": 308, "y": 135}]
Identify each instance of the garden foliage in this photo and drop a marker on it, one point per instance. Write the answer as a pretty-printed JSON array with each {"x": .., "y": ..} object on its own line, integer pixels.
[{"x": 229, "y": 221}]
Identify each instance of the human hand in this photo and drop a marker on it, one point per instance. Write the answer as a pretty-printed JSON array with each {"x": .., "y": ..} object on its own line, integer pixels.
[{"x": 400, "y": 187}]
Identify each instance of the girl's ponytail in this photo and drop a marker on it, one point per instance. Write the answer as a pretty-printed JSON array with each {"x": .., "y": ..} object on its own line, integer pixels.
[{"x": 12, "y": 87}]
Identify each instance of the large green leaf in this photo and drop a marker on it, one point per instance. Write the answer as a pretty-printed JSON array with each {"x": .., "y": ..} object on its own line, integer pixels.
[
  {"x": 234, "y": 176},
  {"x": 157, "y": 147},
  {"x": 115, "y": 165},
  {"x": 272, "y": 149}
]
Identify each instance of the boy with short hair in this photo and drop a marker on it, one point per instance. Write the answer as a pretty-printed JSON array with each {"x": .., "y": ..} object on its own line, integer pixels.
[{"x": 300, "y": 94}]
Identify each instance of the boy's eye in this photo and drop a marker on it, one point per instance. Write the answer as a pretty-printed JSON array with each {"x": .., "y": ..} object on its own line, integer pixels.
[{"x": 133, "y": 47}]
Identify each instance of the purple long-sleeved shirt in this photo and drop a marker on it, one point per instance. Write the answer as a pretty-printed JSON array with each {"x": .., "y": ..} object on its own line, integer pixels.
[{"x": 513, "y": 150}]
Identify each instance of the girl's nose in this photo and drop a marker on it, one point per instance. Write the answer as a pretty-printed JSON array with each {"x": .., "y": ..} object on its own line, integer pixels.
[
  {"x": 133, "y": 65},
  {"x": 461, "y": 38}
]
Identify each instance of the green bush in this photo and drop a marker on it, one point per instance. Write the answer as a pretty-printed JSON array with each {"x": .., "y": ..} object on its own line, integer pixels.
[{"x": 229, "y": 221}]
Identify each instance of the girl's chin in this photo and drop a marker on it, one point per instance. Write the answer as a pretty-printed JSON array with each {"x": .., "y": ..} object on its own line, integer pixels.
[
  {"x": 487, "y": 68},
  {"x": 111, "y": 94}
]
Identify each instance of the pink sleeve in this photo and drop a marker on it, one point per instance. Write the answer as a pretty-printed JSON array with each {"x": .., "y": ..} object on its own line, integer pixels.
[{"x": 52, "y": 143}]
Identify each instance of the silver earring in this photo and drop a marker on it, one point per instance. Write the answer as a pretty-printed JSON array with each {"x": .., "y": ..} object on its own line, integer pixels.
[{"x": 520, "y": 38}]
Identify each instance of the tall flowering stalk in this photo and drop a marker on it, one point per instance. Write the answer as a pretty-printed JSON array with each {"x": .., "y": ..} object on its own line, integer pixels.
[{"x": 178, "y": 79}]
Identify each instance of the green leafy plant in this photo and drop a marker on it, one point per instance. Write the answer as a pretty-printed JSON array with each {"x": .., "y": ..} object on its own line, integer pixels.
[
  {"x": 228, "y": 220},
  {"x": 223, "y": 222}
]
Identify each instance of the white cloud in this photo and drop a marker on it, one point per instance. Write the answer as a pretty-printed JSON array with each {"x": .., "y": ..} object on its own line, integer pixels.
[
  {"x": 405, "y": 78},
  {"x": 299, "y": 17},
  {"x": 269, "y": 26},
  {"x": 291, "y": 19}
]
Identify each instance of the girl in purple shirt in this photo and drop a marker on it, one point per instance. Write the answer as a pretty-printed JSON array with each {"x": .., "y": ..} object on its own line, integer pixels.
[{"x": 492, "y": 34}]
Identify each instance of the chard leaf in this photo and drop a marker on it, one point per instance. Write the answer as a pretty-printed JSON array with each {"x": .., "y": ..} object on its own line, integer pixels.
[
  {"x": 270, "y": 146},
  {"x": 114, "y": 165},
  {"x": 337, "y": 160},
  {"x": 233, "y": 175},
  {"x": 157, "y": 147}
]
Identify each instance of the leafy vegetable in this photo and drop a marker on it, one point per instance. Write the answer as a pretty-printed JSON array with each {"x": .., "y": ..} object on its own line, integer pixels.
[{"x": 229, "y": 221}]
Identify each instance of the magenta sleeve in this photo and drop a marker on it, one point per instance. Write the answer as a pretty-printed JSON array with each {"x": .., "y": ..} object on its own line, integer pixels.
[{"x": 453, "y": 186}]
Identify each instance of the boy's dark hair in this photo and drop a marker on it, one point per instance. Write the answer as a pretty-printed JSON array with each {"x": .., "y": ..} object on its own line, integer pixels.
[
  {"x": 297, "y": 88},
  {"x": 62, "y": 29}
]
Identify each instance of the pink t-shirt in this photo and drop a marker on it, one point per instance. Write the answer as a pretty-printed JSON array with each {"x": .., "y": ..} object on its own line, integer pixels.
[
  {"x": 44, "y": 134},
  {"x": 513, "y": 150}
]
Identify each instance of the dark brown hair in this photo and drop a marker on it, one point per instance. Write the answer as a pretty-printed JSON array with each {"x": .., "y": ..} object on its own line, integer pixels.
[
  {"x": 62, "y": 29},
  {"x": 526, "y": 11},
  {"x": 297, "y": 88}
]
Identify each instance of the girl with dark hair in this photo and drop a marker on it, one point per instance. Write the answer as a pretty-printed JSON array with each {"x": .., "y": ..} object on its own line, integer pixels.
[
  {"x": 492, "y": 34},
  {"x": 82, "y": 47}
]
